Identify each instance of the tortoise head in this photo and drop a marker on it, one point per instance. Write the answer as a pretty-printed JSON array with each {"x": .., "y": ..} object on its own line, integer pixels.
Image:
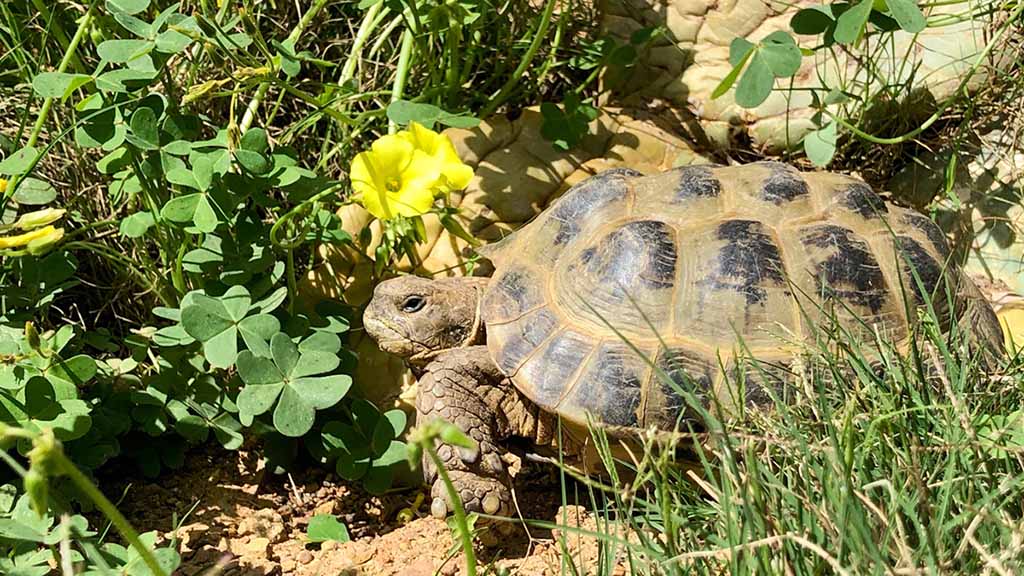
[{"x": 416, "y": 318}]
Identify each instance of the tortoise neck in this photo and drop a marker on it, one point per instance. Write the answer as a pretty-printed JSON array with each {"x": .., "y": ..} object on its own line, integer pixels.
[{"x": 467, "y": 320}]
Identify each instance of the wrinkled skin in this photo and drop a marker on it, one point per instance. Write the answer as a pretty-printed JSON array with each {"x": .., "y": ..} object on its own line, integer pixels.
[{"x": 435, "y": 326}]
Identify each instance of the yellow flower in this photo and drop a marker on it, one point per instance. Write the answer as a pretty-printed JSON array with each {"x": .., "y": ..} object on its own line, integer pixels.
[
  {"x": 23, "y": 239},
  {"x": 394, "y": 178},
  {"x": 39, "y": 218},
  {"x": 3, "y": 185},
  {"x": 454, "y": 174}
]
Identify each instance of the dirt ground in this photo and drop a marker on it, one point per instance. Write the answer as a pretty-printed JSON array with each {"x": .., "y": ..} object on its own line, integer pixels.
[{"x": 247, "y": 521}]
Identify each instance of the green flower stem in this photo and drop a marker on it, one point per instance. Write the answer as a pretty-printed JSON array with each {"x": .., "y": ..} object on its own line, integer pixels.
[
  {"x": 996, "y": 41},
  {"x": 452, "y": 41},
  {"x": 261, "y": 90},
  {"x": 510, "y": 84},
  {"x": 108, "y": 509},
  {"x": 18, "y": 468},
  {"x": 91, "y": 226},
  {"x": 58, "y": 32},
  {"x": 384, "y": 35},
  {"x": 69, "y": 54},
  {"x": 460, "y": 514},
  {"x": 177, "y": 274},
  {"x": 402, "y": 73},
  {"x": 366, "y": 28},
  {"x": 556, "y": 42},
  {"x": 275, "y": 230}
]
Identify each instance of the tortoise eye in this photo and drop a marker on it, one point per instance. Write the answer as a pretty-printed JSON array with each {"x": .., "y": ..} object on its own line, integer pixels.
[{"x": 413, "y": 304}]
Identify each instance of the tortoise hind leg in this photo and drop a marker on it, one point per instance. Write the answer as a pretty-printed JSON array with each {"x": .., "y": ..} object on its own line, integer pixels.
[{"x": 464, "y": 387}]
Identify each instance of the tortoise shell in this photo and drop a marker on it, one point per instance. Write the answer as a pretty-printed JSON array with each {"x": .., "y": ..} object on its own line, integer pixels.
[{"x": 690, "y": 267}]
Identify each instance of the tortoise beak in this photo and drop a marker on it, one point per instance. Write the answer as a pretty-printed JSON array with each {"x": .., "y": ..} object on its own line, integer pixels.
[{"x": 389, "y": 339}]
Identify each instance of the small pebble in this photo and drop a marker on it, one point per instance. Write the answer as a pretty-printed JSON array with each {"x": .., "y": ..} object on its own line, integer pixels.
[{"x": 305, "y": 557}]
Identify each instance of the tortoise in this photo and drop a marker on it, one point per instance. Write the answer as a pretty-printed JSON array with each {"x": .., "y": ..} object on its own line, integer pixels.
[{"x": 679, "y": 271}]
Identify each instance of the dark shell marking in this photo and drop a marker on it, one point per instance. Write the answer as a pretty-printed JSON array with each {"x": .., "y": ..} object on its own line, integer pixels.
[
  {"x": 610, "y": 386},
  {"x": 748, "y": 260},
  {"x": 524, "y": 336},
  {"x": 931, "y": 230},
  {"x": 860, "y": 198},
  {"x": 913, "y": 258},
  {"x": 590, "y": 195},
  {"x": 640, "y": 254},
  {"x": 760, "y": 380},
  {"x": 784, "y": 184},
  {"x": 515, "y": 293},
  {"x": 685, "y": 371},
  {"x": 553, "y": 368},
  {"x": 696, "y": 182},
  {"x": 850, "y": 273}
]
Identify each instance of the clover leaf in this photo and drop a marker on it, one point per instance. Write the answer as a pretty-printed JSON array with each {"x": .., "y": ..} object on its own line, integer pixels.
[
  {"x": 290, "y": 380},
  {"x": 41, "y": 405},
  {"x": 217, "y": 323},
  {"x": 324, "y": 527},
  {"x": 367, "y": 449},
  {"x": 820, "y": 145},
  {"x": 775, "y": 56}
]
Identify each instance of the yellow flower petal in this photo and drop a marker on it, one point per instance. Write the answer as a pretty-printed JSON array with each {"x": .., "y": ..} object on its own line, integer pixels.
[
  {"x": 392, "y": 152},
  {"x": 458, "y": 176},
  {"x": 423, "y": 138},
  {"x": 395, "y": 178},
  {"x": 23, "y": 239},
  {"x": 419, "y": 182}
]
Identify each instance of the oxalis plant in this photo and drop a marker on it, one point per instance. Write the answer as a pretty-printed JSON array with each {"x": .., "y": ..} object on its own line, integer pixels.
[
  {"x": 864, "y": 30},
  {"x": 211, "y": 224}
]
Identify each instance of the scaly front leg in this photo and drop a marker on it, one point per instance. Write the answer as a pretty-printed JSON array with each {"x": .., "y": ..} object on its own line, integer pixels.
[{"x": 465, "y": 388}]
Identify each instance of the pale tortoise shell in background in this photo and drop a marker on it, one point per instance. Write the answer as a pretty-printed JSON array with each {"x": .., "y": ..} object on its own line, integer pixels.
[{"x": 682, "y": 262}]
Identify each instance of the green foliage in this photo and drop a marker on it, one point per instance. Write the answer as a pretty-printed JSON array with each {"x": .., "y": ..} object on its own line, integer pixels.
[
  {"x": 565, "y": 126},
  {"x": 365, "y": 446},
  {"x": 402, "y": 112},
  {"x": 325, "y": 527},
  {"x": 291, "y": 381},
  {"x": 776, "y": 56},
  {"x": 208, "y": 224},
  {"x": 758, "y": 68}
]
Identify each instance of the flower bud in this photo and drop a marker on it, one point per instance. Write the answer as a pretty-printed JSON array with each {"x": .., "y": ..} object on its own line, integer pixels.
[
  {"x": 37, "y": 488},
  {"x": 20, "y": 240},
  {"x": 39, "y": 218},
  {"x": 32, "y": 336},
  {"x": 45, "y": 243}
]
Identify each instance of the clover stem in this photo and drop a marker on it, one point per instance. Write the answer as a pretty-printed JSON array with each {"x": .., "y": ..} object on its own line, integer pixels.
[
  {"x": 370, "y": 22},
  {"x": 290, "y": 265},
  {"x": 460, "y": 514},
  {"x": 940, "y": 112},
  {"x": 402, "y": 73},
  {"x": 58, "y": 31},
  {"x": 542, "y": 30},
  {"x": 261, "y": 90},
  {"x": 44, "y": 111},
  {"x": 69, "y": 55}
]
